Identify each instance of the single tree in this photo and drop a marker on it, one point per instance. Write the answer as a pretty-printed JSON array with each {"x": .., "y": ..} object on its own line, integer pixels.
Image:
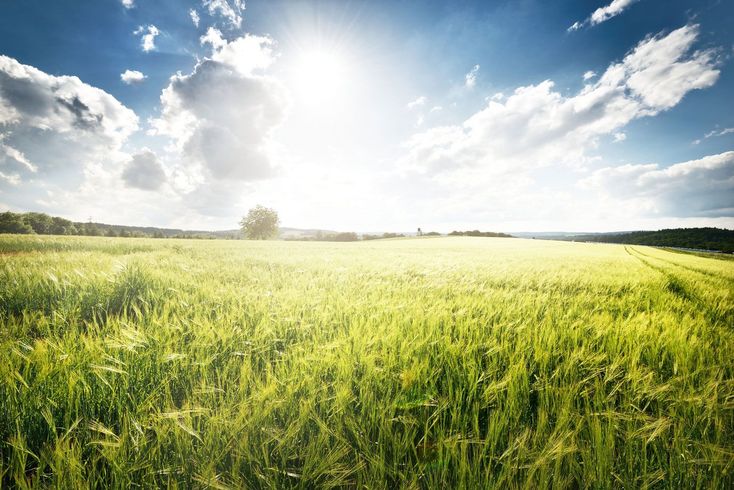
[{"x": 260, "y": 223}]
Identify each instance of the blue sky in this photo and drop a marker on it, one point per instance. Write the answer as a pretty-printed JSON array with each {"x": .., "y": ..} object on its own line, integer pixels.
[{"x": 504, "y": 115}]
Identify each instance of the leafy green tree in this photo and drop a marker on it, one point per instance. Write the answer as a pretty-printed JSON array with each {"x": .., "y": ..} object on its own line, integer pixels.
[
  {"x": 61, "y": 226},
  {"x": 14, "y": 223},
  {"x": 260, "y": 223},
  {"x": 91, "y": 229},
  {"x": 40, "y": 222}
]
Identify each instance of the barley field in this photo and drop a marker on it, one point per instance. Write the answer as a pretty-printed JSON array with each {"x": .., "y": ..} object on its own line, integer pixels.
[{"x": 409, "y": 363}]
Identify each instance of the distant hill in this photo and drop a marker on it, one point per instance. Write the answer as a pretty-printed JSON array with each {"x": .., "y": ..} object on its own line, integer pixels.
[
  {"x": 713, "y": 239},
  {"x": 300, "y": 233}
]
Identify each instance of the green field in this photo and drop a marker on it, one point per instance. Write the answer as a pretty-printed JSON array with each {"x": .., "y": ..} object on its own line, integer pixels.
[{"x": 419, "y": 363}]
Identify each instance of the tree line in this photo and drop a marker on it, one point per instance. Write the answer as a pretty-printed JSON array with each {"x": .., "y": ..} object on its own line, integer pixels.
[
  {"x": 43, "y": 224},
  {"x": 716, "y": 239},
  {"x": 488, "y": 234}
]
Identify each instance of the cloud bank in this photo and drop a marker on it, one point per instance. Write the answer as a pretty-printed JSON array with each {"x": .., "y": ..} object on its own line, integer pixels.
[
  {"x": 538, "y": 126},
  {"x": 221, "y": 116},
  {"x": 700, "y": 188}
]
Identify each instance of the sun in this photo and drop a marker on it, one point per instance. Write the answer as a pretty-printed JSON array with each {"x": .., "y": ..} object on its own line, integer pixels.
[{"x": 320, "y": 76}]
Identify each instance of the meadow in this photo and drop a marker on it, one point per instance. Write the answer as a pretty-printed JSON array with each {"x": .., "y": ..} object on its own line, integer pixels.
[{"x": 451, "y": 362}]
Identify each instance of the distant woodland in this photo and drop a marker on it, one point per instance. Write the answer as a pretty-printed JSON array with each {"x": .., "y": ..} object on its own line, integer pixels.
[
  {"x": 43, "y": 224},
  {"x": 715, "y": 239}
]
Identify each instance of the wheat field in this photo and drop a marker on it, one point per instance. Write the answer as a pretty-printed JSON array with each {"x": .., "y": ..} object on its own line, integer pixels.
[{"x": 410, "y": 363}]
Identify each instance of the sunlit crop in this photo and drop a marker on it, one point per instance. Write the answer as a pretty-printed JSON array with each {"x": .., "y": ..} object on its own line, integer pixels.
[{"x": 421, "y": 363}]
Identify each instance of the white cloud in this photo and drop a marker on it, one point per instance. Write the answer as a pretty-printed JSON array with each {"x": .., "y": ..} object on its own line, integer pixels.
[
  {"x": 490, "y": 166},
  {"x": 619, "y": 136},
  {"x": 11, "y": 155},
  {"x": 615, "y": 8},
  {"x": 418, "y": 102},
  {"x": 538, "y": 126},
  {"x": 30, "y": 98},
  {"x": 10, "y": 179},
  {"x": 714, "y": 133},
  {"x": 721, "y": 132},
  {"x": 230, "y": 10},
  {"x": 589, "y": 75},
  {"x": 470, "y": 79},
  {"x": 128, "y": 4},
  {"x": 194, "y": 17},
  {"x": 703, "y": 187},
  {"x": 436, "y": 108},
  {"x": 132, "y": 76},
  {"x": 246, "y": 54},
  {"x": 54, "y": 127},
  {"x": 603, "y": 14},
  {"x": 221, "y": 115},
  {"x": 148, "y": 35},
  {"x": 144, "y": 171}
]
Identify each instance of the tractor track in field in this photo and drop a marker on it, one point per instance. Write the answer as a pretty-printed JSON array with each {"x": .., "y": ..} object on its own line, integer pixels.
[
  {"x": 710, "y": 276},
  {"x": 675, "y": 284},
  {"x": 706, "y": 273},
  {"x": 682, "y": 288}
]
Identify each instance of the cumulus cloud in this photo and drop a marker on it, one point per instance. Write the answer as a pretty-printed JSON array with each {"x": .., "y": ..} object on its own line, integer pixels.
[
  {"x": 246, "y": 54},
  {"x": 470, "y": 79},
  {"x": 30, "y": 98},
  {"x": 538, "y": 126},
  {"x": 589, "y": 75},
  {"x": 229, "y": 10},
  {"x": 132, "y": 76},
  {"x": 603, "y": 14},
  {"x": 194, "y": 17},
  {"x": 703, "y": 187},
  {"x": 128, "y": 4},
  {"x": 57, "y": 125},
  {"x": 147, "y": 37},
  {"x": 418, "y": 102},
  {"x": 144, "y": 171},
  {"x": 221, "y": 115}
]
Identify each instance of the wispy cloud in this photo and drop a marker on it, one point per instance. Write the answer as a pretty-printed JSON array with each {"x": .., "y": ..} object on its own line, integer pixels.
[
  {"x": 194, "y": 17},
  {"x": 713, "y": 133},
  {"x": 418, "y": 102},
  {"x": 148, "y": 34},
  {"x": 470, "y": 79},
  {"x": 229, "y": 10},
  {"x": 128, "y": 4},
  {"x": 603, "y": 14}
]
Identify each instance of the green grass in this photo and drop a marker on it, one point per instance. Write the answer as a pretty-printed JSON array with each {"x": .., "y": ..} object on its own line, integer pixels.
[{"x": 417, "y": 363}]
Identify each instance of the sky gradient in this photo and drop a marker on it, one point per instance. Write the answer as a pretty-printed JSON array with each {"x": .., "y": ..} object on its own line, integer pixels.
[{"x": 370, "y": 116}]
